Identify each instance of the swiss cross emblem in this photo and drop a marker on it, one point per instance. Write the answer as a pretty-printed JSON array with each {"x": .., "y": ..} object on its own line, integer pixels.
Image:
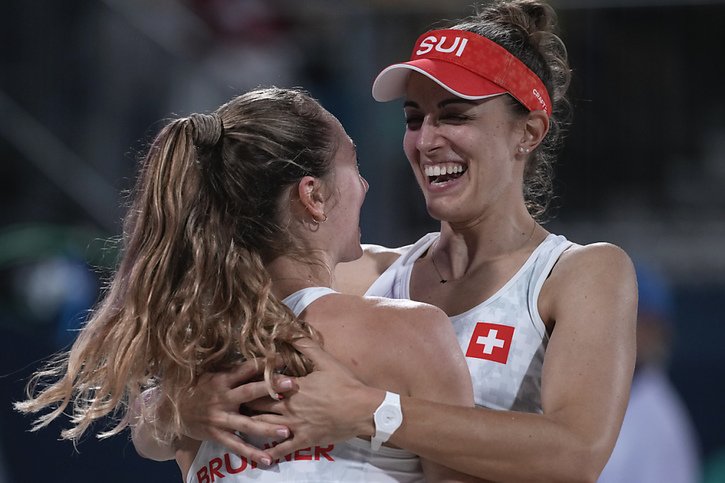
[{"x": 491, "y": 342}]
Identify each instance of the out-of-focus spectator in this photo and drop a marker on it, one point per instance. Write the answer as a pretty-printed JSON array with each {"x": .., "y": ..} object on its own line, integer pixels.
[{"x": 657, "y": 442}]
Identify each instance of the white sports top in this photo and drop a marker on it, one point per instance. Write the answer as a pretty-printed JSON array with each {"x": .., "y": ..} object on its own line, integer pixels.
[
  {"x": 349, "y": 461},
  {"x": 503, "y": 338}
]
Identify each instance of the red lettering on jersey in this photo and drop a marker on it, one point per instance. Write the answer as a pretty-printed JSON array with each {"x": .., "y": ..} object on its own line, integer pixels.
[
  {"x": 202, "y": 476},
  {"x": 491, "y": 342},
  {"x": 230, "y": 469},
  {"x": 214, "y": 467},
  {"x": 323, "y": 453},
  {"x": 304, "y": 454}
]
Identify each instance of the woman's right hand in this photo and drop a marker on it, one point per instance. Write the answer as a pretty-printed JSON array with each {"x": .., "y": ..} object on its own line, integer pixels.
[{"x": 211, "y": 411}]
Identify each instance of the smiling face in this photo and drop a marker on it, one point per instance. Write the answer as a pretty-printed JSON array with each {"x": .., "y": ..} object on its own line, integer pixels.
[{"x": 463, "y": 153}]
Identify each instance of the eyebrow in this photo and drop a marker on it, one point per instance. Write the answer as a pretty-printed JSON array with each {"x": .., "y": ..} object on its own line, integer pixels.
[{"x": 443, "y": 103}]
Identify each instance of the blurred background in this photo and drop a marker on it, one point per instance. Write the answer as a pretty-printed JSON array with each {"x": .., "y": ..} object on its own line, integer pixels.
[{"x": 84, "y": 85}]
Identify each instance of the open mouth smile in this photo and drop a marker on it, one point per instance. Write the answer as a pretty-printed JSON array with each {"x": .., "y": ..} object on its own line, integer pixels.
[{"x": 443, "y": 172}]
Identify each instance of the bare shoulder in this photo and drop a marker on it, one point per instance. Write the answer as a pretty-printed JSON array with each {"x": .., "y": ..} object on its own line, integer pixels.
[
  {"x": 389, "y": 312},
  {"x": 356, "y": 277},
  {"x": 589, "y": 274},
  {"x": 434, "y": 366},
  {"x": 380, "y": 257},
  {"x": 396, "y": 338},
  {"x": 411, "y": 313},
  {"x": 601, "y": 257},
  {"x": 424, "y": 328},
  {"x": 392, "y": 320}
]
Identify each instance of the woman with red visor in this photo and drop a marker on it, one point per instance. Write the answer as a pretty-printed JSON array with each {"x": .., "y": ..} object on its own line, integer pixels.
[{"x": 547, "y": 326}]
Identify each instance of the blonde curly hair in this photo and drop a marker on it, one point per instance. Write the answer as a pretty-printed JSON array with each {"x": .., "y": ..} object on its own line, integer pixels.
[{"x": 191, "y": 293}]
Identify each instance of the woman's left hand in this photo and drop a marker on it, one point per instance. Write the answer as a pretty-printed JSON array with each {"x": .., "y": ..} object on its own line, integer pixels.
[{"x": 326, "y": 406}]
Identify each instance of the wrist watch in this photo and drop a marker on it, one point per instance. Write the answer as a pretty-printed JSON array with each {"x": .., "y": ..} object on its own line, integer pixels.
[{"x": 387, "y": 418}]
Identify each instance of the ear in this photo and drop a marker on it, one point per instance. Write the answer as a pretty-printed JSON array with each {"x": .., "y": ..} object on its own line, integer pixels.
[
  {"x": 310, "y": 191},
  {"x": 535, "y": 128}
]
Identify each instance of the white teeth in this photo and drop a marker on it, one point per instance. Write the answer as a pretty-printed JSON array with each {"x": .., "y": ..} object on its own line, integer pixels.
[{"x": 443, "y": 169}]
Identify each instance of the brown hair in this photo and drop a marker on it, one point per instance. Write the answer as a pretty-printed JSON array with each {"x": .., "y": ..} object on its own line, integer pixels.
[
  {"x": 191, "y": 293},
  {"x": 527, "y": 29}
]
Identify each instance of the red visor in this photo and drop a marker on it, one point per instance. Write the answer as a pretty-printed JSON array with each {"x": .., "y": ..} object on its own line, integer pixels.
[{"x": 467, "y": 65}]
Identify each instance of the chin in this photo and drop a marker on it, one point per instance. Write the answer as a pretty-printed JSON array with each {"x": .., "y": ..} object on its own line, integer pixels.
[
  {"x": 353, "y": 255},
  {"x": 438, "y": 213}
]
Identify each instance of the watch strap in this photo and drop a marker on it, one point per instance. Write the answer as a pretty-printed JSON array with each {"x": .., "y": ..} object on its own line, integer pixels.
[{"x": 387, "y": 418}]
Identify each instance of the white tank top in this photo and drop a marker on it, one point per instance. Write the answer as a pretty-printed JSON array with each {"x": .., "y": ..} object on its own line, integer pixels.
[
  {"x": 503, "y": 338},
  {"x": 349, "y": 461}
]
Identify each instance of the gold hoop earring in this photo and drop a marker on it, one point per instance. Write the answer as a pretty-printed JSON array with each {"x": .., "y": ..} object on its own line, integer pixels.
[{"x": 319, "y": 222}]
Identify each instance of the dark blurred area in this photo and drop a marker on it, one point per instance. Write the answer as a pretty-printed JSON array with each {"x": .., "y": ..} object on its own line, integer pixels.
[{"x": 85, "y": 84}]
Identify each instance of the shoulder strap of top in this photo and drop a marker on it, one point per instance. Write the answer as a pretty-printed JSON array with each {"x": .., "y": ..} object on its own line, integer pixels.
[
  {"x": 552, "y": 248},
  {"x": 382, "y": 286},
  {"x": 301, "y": 299}
]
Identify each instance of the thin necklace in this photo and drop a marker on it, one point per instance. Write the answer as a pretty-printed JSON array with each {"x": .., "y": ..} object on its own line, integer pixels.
[
  {"x": 433, "y": 256},
  {"x": 433, "y": 259}
]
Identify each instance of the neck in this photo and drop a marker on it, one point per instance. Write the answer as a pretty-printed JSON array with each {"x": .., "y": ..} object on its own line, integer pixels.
[
  {"x": 290, "y": 275},
  {"x": 463, "y": 249}
]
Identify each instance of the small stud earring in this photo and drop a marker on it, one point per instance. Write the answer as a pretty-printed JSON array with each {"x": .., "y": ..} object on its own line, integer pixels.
[{"x": 521, "y": 149}]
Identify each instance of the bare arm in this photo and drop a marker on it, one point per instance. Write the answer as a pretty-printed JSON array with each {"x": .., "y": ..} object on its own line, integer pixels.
[{"x": 585, "y": 383}]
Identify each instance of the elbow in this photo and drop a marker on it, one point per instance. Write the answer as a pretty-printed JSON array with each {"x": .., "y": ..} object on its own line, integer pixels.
[
  {"x": 148, "y": 447},
  {"x": 584, "y": 475},
  {"x": 584, "y": 463},
  {"x": 159, "y": 455}
]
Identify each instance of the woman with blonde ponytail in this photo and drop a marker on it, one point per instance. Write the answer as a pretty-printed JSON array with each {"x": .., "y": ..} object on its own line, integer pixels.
[
  {"x": 547, "y": 325},
  {"x": 237, "y": 221}
]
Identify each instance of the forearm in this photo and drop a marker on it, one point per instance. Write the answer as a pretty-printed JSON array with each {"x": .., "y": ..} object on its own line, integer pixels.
[
  {"x": 494, "y": 445},
  {"x": 498, "y": 445}
]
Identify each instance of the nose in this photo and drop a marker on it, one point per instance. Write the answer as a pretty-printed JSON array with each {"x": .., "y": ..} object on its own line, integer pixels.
[{"x": 429, "y": 138}]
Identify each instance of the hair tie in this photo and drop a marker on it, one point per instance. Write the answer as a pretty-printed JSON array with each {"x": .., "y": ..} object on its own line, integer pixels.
[{"x": 207, "y": 129}]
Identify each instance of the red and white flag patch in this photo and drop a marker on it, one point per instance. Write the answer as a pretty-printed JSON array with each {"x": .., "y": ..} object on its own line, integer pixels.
[{"x": 491, "y": 342}]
